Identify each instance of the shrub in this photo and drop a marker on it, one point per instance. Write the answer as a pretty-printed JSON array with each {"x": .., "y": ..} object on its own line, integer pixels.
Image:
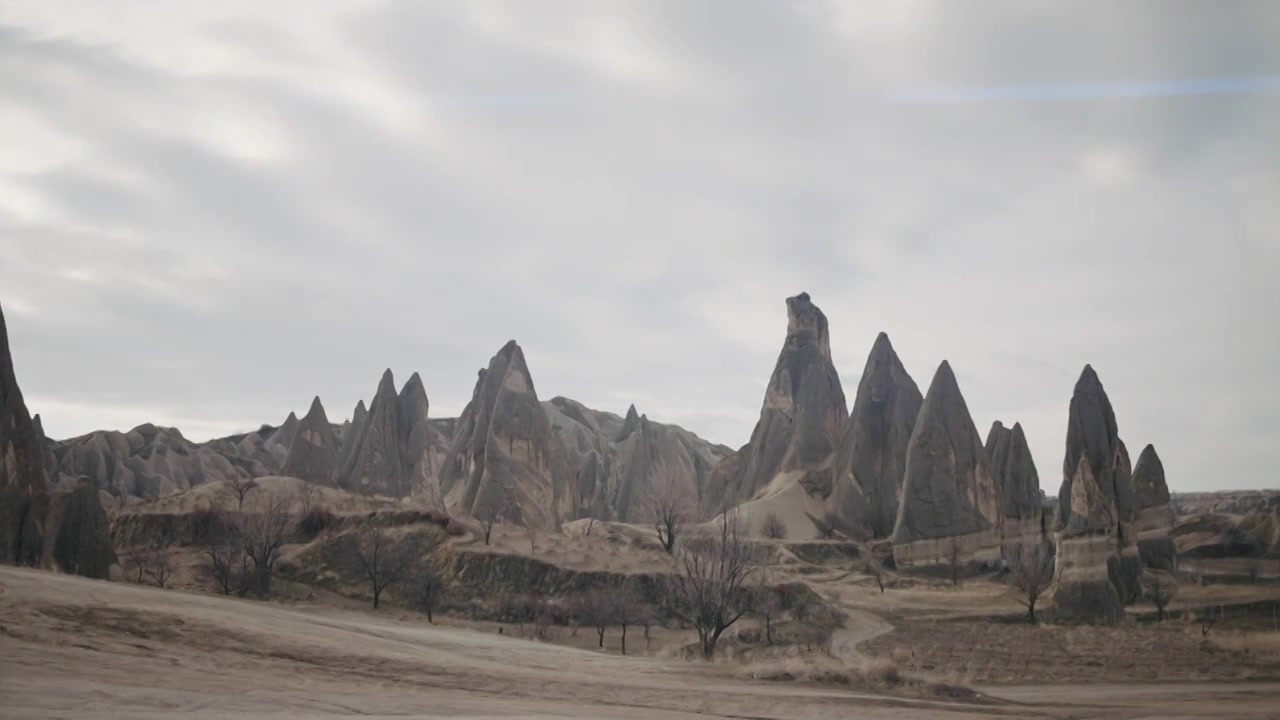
[{"x": 315, "y": 522}]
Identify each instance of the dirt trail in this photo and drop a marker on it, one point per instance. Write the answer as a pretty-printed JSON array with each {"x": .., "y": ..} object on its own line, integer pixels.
[{"x": 860, "y": 627}]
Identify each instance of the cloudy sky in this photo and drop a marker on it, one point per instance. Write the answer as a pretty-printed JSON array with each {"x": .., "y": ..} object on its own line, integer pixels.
[{"x": 211, "y": 212}]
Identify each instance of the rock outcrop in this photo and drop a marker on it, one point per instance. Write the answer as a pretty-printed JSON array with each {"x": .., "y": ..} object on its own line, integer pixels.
[
  {"x": 1021, "y": 500},
  {"x": 1093, "y": 437},
  {"x": 802, "y": 420},
  {"x": 613, "y": 466},
  {"x": 500, "y": 461},
  {"x": 313, "y": 454},
  {"x": 67, "y": 530},
  {"x": 1155, "y": 516},
  {"x": 950, "y": 504},
  {"x": 872, "y": 457},
  {"x": 391, "y": 448},
  {"x": 1084, "y": 587}
]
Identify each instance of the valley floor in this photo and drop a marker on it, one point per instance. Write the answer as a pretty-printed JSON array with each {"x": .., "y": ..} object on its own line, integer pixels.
[{"x": 71, "y": 647}]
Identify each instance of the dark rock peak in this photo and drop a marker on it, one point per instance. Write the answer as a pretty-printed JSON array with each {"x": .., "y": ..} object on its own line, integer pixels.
[
  {"x": 997, "y": 433},
  {"x": 1092, "y": 434},
  {"x": 317, "y": 407},
  {"x": 413, "y": 385},
  {"x": 631, "y": 412},
  {"x": 386, "y": 386},
  {"x": 631, "y": 424},
  {"x": 358, "y": 415},
  {"x": 1149, "y": 484},
  {"x": 944, "y": 387},
  {"x": 807, "y": 323}
]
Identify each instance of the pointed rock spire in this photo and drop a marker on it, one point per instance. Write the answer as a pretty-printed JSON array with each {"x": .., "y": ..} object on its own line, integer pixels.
[
  {"x": 1155, "y": 514},
  {"x": 872, "y": 456},
  {"x": 948, "y": 491},
  {"x": 1149, "y": 485},
  {"x": 374, "y": 466},
  {"x": 1014, "y": 471},
  {"x": 501, "y": 458},
  {"x": 24, "y": 493},
  {"x": 416, "y": 447},
  {"x": 313, "y": 455},
  {"x": 630, "y": 424},
  {"x": 802, "y": 419}
]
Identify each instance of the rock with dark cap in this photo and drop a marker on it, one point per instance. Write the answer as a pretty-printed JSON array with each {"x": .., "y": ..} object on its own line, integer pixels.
[
  {"x": 417, "y": 442},
  {"x": 500, "y": 461},
  {"x": 802, "y": 420},
  {"x": 872, "y": 457},
  {"x": 948, "y": 493},
  {"x": 313, "y": 454}
]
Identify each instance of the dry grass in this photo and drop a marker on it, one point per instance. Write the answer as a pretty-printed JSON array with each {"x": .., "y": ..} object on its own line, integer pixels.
[
  {"x": 878, "y": 675},
  {"x": 1263, "y": 646}
]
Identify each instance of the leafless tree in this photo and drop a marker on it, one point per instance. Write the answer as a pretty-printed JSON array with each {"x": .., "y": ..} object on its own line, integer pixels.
[
  {"x": 1253, "y": 568},
  {"x": 594, "y": 608},
  {"x": 1159, "y": 588},
  {"x": 488, "y": 515},
  {"x": 875, "y": 570},
  {"x": 670, "y": 504},
  {"x": 774, "y": 528},
  {"x": 383, "y": 561},
  {"x": 768, "y": 605},
  {"x": 426, "y": 586},
  {"x": 709, "y": 589},
  {"x": 591, "y": 524},
  {"x": 1030, "y": 574},
  {"x": 953, "y": 558},
  {"x": 625, "y": 609},
  {"x": 240, "y": 489},
  {"x": 157, "y": 565},
  {"x": 306, "y": 496},
  {"x": 135, "y": 565},
  {"x": 262, "y": 532},
  {"x": 223, "y": 564}
]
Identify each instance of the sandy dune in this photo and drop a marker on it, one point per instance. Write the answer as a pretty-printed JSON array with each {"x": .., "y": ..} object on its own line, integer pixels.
[{"x": 71, "y": 647}]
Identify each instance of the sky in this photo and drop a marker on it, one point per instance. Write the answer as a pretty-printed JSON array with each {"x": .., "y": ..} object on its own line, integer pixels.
[{"x": 211, "y": 212}]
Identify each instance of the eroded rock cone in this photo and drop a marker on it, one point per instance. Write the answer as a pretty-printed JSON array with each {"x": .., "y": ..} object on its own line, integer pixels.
[
  {"x": 68, "y": 529},
  {"x": 949, "y": 497},
  {"x": 351, "y": 434},
  {"x": 1009, "y": 456},
  {"x": 417, "y": 442},
  {"x": 313, "y": 455},
  {"x": 1092, "y": 437},
  {"x": 24, "y": 493},
  {"x": 1086, "y": 560},
  {"x": 374, "y": 466},
  {"x": 802, "y": 420},
  {"x": 1155, "y": 514},
  {"x": 500, "y": 462},
  {"x": 872, "y": 457}
]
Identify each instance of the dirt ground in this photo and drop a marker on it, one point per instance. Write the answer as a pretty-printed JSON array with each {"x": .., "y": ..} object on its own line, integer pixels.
[{"x": 71, "y": 647}]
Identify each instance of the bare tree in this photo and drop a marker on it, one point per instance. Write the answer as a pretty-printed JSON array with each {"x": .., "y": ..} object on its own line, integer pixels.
[
  {"x": 768, "y": 605},
  {"x": 262, "y": 532},
  {"x": 953, "y": 559},
  {"x": 1030, "y": 574},
  {"x": 222, "y": 563},
  {"x": 135, "y": 565},
  {"x": 594, "y": 608},
  {"x": 1253, "y": 568},
  {"x": 1159, "y": 588},
  {"x": 875, "y": 570},
  {"x": 670, "y": 504},
  {"x": 625, "y": 609},
  {"x": 774, "y": 528},
  {"x": 591, "y": 524},
  {"x": 709, "y": 589},
  {"x": 240, "y": 489},
  {"x": 157, "y": 565},
  {"x": 426, "y": 585},
  {"x": 383, "y": 561},
  {"x": 488, "y": 515}
]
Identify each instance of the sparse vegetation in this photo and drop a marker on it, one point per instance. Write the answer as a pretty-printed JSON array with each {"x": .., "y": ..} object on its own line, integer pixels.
[
  {"x": 670, "y": 505},
  {"x": 239, "y": 488},
  {"x": 1159, "y": 588},
  {"x": 710, "y": 587},
  {"x": 262, "y": 531},
  {"x": 1030, "y": 574},
  {"x": 774, "y": 528},
  {"x": 426, "y": 588},
  {"x": 953, "y": 560},
  {"x": 768, "y": 605},
  {"x": 383, "y": 561},
  {"x": 876, "y": 571}
]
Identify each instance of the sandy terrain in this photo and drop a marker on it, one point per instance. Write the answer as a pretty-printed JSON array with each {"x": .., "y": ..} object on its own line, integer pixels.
[{"x": 71, "y": 647}]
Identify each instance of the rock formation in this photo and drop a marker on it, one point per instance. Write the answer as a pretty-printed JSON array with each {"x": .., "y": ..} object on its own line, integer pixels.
[
  {"x": 1084, "y": 590},
  {"x": 1016, "y": 478},
  {"x": 351, "y": 432},
  {"x": 802, "y": 420},
  {"x": 872, "y": 457},
  {"x": 313, "y": 454},
  {"x": 1155, "y": 516},
  {"x": 1093, "y": 438},
  {"x": 950, "y": 503},
  {"x": 390, "y": 451},
  {"x": 68, "y": 530},
  {"x": 500, "y": 461}
]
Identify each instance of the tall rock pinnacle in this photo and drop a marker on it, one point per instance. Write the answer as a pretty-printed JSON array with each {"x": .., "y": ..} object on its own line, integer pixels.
[
  {"x": 1155, "y": 514},
  {"x": 802, "y": 420},
  {"x": 374, "y": 466},
  {"x": 1009, "y": 457},
  {"x": 948, "y": 492},
  {"x": 872, "y": 456},
  {"x": 500, "y": 461},
  {"x": 313, "y": 455}
]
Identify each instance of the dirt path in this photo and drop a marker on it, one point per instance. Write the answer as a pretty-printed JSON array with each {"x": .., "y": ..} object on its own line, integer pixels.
[{"x": 860, "y": 627}]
